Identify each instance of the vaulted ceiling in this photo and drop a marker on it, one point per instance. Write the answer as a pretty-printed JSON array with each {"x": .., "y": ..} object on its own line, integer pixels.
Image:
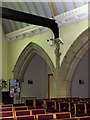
[{"x": 45, "y": 8}]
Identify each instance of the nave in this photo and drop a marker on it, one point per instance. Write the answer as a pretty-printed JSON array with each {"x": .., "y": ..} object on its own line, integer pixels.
[{"x": 45, "y": 109}]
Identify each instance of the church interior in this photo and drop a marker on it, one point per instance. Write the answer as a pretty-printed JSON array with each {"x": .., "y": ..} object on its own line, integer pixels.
[{"x": 44, "y": 59}]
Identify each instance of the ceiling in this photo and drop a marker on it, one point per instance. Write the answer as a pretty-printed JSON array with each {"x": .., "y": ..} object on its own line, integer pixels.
[{"x": 45, "y": 8}]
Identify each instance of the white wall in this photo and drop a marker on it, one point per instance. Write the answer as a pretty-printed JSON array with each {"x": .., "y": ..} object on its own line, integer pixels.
[
  {"x": 81, "y": 73},
  {"x": 38, "y": 72}
]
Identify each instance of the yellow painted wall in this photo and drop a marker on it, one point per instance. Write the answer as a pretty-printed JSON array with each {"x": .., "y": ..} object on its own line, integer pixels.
[
  {"x": 0, "y": 49},
  {"x": 4, "y": 58},
  {"x": 68, "y": 33},
  {"x": 15, "y": 48}
]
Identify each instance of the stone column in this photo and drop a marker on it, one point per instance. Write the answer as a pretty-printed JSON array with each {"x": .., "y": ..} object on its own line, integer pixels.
[
  {"x": 57, "y": 54},
  {"x": 57, "y": 70}
]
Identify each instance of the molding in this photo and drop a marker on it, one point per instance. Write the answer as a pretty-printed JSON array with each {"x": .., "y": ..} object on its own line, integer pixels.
[
  {"x": 66, "y": 18},
  {"x": 25, "y": 57}
]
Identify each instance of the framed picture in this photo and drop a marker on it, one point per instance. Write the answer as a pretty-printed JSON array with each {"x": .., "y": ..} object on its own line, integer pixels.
[{"x": 14, "y": 86}]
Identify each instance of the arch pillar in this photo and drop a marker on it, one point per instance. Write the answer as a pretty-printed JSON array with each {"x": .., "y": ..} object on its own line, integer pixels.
[{"x": 70, "y": 62}]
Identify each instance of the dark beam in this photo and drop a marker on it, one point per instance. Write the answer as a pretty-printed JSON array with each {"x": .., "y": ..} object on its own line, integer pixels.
[{"x": 31, "y": 19}]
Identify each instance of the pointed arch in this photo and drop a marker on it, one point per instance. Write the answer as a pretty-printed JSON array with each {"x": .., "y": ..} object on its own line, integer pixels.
[
  {"x": 25, "y": 57},
  {"x": 71, "y": 60}
]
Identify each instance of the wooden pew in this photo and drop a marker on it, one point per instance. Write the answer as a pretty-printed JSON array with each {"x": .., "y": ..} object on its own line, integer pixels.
[
  {"x": 7, "y": 118},
  {"x": 44, "y": 116},
  {"x": 20, "y": 108},
  {"x": 37, "y": 111},
  {"x": 60, "y": 115},
  {"x": 7, "y": 114},
  {"x": 22, "y": 113},
  {"x": 28, "y": 117}
]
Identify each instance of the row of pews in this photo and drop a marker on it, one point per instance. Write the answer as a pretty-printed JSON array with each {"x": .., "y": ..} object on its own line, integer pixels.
[
  {"x": 41, "y": 109},
  {"x": 77, "y": 106}
]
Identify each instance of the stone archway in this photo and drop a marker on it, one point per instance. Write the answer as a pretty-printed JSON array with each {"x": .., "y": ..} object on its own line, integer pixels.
[
  {"x": 26, "y": 56},
  {"x": 70, "y": 62}
]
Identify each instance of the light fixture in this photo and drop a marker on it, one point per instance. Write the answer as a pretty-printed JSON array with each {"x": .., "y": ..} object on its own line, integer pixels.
[
  {"x": 59, "y": 40},
  {"x": 53, "y": 41}
]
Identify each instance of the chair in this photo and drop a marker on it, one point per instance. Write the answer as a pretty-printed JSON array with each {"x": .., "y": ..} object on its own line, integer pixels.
[
  {"x": 18, "y": 105},
  {"x": 79, "y": 109},
  {"x": 39, "y": 103},
  {"x": 7, "y": 105},
  {"x": 88, "y": 109},
  {"x": 30, "y": 104},
  {"x": 75, "y": 99},
  {"x": 21, "y": 108},
  {"x": 61, "y": 99},
  {"x": 54, "y": 98},
  {"x": 29, "y": 117},
  {"x": 88, "y": 100},
  {"x": 22, "y": 112},
  {"x": 6, "y": 109},
  {"x": 64, "y": 107},
  {"x": 7, "y": 118},
  {"x": 85, "y": 118},
  {"x": 51, "y": 106},
  {"x": 69, "y": 99},
  {"x": 44, "y": 116},
  {"x": 72, "y": 108},
  {"x": 37, "y": 111},
  {"x": 6, "y": 114},
  {"x": 62, "y": 115},
  {"x": 70, "y": 118},
  {"x": 45, "y": 99}
]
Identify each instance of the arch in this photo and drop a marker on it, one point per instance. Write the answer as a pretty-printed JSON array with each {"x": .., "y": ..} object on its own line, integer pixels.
[
  {"x": 72, "y": 58},
  {"x": 23, "y": 61}
]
